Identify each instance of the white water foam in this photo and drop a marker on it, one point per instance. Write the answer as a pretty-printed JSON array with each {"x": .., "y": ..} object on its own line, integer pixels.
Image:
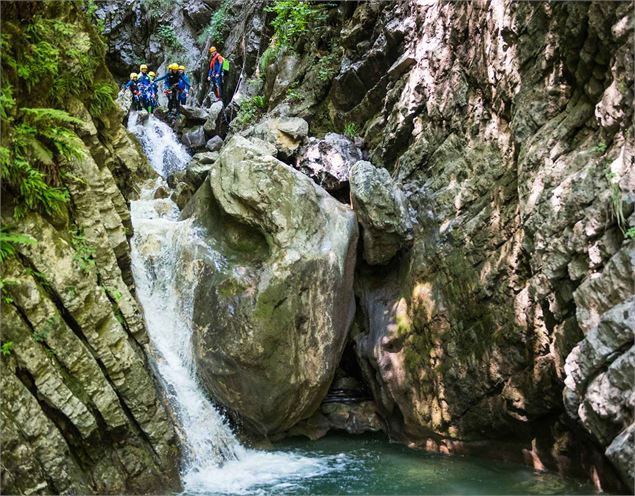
[{"x": 214, "y": 462}]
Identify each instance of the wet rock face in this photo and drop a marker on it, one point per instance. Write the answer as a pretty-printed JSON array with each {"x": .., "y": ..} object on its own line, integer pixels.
[
  {"x": 274, "y": 300},
  {"x": 80, "y": 409},
  {"x": 503, "y": 149}
]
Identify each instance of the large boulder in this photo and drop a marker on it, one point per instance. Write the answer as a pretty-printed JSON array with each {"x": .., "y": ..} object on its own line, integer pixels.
[
  {"x": 275, "y": 297},
  {"x": 329, "y": 161},
  {"x": 381, "y": 210}
]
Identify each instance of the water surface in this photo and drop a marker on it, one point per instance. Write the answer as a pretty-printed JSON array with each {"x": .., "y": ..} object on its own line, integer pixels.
[{"x": 371, "y": 465}]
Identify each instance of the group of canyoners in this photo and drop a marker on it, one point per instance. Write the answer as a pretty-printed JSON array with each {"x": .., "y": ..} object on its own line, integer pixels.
[{"x": 144, "y": 89}]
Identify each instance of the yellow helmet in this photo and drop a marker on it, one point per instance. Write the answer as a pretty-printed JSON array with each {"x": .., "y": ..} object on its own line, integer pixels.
[
  {"x": 151, "y": 74},
  {"x": 182, "y": 68},
  {"x": 174, "y": 67},
  {"x": 142, "y": 67},
  {"x": 133, "y": 75},
  {"x": 212, "y": 49}
]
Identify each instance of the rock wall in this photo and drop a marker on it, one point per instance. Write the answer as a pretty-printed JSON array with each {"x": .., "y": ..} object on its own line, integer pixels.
[
  {"x": 80, "y": 410},
  {"x": 507, "y": 126},
  {"x": 506, "y": 283}
]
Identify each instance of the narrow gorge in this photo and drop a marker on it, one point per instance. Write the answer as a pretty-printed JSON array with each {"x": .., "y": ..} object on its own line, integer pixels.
[{"x": 399, "y": 247}]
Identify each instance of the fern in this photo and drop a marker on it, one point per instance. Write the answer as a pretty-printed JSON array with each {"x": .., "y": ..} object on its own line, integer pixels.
[
  {"x": 9, "y": 241},
  {"x": 103, "y": 99}
]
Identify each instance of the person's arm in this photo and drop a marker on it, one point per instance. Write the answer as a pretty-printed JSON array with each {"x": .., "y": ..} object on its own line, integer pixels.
[{"x": 156, "y": 80}]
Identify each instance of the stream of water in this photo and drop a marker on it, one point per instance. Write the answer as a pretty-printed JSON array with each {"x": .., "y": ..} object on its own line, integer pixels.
[{"x": 214, "y": 462}]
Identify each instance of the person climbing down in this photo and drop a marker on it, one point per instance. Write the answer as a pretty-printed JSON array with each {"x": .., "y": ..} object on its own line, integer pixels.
[
  {"x": 215, "y": 73},
  {"x": 133, "y": 86},
  {"x": 171, "y": 90},
  {"x": 184, "y": 85},
  {"x": 143, "y": 75}
]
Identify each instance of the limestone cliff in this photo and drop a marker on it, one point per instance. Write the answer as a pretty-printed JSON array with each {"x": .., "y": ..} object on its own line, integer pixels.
[
  {"x": 81, "y": 411},
  {"x": 507, "y": 126}
]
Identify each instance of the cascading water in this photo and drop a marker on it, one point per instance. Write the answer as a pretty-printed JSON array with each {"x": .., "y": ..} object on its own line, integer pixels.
[{"x": 213, "y": 459}]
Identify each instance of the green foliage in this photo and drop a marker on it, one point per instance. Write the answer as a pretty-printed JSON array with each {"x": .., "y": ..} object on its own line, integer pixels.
[
  {"x": 168, "y": 37},
  {"x": 250, "y": 107},
  {"x": 30, "y": 168},
  {"x": 84, "y": 253},
  {"x": 91, "y": 11},
  {"x": 214, "y": 30},
  {"x": 45, "y": 61},
  {"x": 103, "y": 99},
  {"x": 6, "y": 348},
  {"x": 329, "y": 66},
  {"x": 616, "y": 199},
  {"x": 156, "y": 8},
  {"x": 113, "y": 293},
  {"x": 600, "y": 147},
  {"x": 350, "y": 130},
  {"x": 54, "y": 56},
  {"x": 9, "y": 241},
  {"x": 267, "y": 57},
  {"x": 630, "y": 233},
  {"x": 293, "y": 93},
  {"x": 293, "y": 20}
]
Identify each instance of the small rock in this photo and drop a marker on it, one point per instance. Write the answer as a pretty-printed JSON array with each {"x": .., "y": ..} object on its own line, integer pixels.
[
  {"x": 214, "y": 144},
  {"x": 206, "y": 157},
  {"x": 194, "y": 138},
  {"x": 161, "y": 192},
  {"x": 182, "y": 194}
]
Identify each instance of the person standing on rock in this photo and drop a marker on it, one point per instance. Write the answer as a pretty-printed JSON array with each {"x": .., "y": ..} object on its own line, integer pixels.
[
  {"x": 215, "y": 73},
  {"x": 143, "y": 75},
  {"x": 184, "y": 85},
  {"x": 172, "y": 79},
  {"x": 133, "y": 86}
]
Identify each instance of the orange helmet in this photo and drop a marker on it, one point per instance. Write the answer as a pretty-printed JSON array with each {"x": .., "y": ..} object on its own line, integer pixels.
[{"x": 212, "y": 49}]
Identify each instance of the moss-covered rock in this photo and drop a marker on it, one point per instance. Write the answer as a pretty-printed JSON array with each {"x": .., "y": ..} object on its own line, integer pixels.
[{"x": 274, "y": 301}]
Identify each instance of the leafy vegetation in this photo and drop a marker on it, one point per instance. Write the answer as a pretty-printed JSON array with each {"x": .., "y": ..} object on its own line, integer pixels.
[
  {"x": 156, "y": 8},
  {"x": 267, "y": 57},
  {"x": 215, "y": 28},
  {"x": 84, "y": 255},
  {"x": 616, "y": 200},
  {"x": 249, "y": 108},
  {"x": 91, "y": 11},
  {"x": 350, "y": 130},
  {"x": 329, "y": 66},
  {"x": 46, "y": 62},
  {"x": 630, "y": 233},
  {"x": 9, "y": 241},
  {"x": 293, "y": 93},
  {"x": 600, "y": 147},
  {"x": 103, "y": 98},
  {"x": 113, "y": 293},
  {"x": 6, "y": 348},
  {"x": 168, "y": 37},
  {"x": 293, "y": 20}
]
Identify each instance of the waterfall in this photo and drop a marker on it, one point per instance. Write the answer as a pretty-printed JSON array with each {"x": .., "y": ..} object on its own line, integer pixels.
[{"x": 213, "y": 459}]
